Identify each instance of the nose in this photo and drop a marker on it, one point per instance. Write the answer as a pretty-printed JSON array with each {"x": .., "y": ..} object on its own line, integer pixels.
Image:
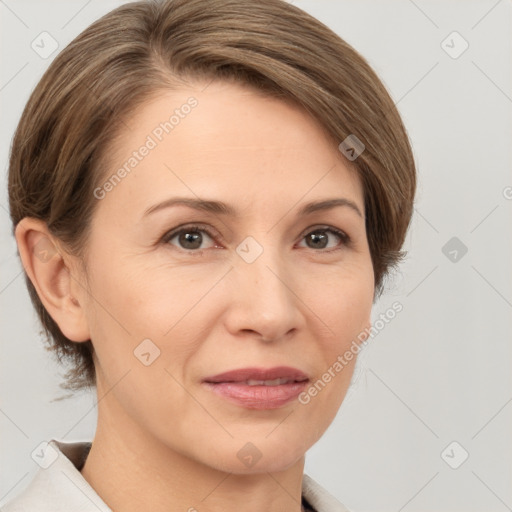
[{"x": 264, "y": 303}]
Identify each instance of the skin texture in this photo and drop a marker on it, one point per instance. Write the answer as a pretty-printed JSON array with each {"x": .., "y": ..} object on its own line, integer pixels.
[{"x": 162, "y": 438}]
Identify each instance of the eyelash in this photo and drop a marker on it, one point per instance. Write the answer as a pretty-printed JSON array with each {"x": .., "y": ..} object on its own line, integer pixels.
[{"x": 346, "y": 241}]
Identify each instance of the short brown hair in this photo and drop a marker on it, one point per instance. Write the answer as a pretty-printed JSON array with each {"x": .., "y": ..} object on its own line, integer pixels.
[{"x": 144, "y": 47}]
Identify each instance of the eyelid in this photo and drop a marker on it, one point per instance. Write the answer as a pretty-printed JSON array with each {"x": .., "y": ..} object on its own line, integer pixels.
[
  {"x": 214, "y": 235},
  {"x": 326, "y": 227}
]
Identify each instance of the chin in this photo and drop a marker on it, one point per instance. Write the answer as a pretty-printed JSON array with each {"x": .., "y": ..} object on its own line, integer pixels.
[{"x": 257, "y": 454}]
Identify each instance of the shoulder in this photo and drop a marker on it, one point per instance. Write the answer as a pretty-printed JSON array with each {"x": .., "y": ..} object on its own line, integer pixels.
[
  {"x": 58, "y": 485},
  {"x": 319, "y": 498}
]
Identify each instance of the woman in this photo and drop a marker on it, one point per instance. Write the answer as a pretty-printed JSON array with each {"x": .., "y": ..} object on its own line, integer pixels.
[{"x": 206, "y": 198}]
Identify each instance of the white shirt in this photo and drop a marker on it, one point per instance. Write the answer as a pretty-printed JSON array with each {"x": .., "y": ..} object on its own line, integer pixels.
[{"x": 58, "y": 485}]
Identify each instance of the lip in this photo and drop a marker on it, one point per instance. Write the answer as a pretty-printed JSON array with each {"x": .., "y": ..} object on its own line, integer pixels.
[
  {"x": 232, "y": 386},
  {"x": 243, "y": 374}
]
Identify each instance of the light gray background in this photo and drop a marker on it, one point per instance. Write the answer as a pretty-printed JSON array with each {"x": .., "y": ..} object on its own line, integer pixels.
[{"x": 441, "y": 370}]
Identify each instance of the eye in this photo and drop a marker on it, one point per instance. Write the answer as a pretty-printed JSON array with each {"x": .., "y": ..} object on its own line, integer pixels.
[
  {"x": 189, "y": 238},
  {"x": 318, "y": 238}
]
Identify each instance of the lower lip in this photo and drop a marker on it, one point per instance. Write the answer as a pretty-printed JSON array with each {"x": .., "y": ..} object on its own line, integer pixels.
[{"x": 258, "y": 397}]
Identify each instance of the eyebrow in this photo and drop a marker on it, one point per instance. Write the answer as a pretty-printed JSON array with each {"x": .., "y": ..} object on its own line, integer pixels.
[{"x": 218, "y": 207}]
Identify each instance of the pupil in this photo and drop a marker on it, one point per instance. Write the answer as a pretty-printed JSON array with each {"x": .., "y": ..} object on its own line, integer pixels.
[
  {"x": 316, "y": 237},
  {"x": 191, "y": 238}
]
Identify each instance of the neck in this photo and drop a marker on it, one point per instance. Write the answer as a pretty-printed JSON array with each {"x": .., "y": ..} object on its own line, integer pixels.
[{"x": 131, "y": 470}]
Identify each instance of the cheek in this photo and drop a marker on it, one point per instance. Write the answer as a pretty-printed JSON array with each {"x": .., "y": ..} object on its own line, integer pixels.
[
  {"x": 167, "y": 305},
  {"x": 344, "y": 306},
  {"x": 342, "y": 300},
  {"x": 174, "y": 305}
]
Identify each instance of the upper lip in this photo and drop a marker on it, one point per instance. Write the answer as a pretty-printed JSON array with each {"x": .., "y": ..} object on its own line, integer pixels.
[{"x": 244, "y": 374}]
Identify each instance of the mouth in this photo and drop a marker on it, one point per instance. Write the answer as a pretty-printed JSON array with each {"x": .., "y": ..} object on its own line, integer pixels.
[{"x": 258, "y": 388}]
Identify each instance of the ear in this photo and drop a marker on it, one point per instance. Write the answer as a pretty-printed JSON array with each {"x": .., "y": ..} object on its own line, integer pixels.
[{"x": 49, "y": 270}]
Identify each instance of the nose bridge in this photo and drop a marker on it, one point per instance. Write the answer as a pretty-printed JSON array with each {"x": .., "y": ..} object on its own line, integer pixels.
[{"x": 263, "y": 277}]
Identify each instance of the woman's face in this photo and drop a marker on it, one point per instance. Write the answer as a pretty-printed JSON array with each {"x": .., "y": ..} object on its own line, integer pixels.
[{"x": 180, "y": 295}]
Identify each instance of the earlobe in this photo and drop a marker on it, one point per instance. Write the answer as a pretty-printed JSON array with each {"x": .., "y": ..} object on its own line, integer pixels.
[{"x": 45, "y": 264}]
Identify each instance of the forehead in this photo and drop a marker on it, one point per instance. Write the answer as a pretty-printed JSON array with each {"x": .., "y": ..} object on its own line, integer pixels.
[{"x": 223, "y": 139}]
